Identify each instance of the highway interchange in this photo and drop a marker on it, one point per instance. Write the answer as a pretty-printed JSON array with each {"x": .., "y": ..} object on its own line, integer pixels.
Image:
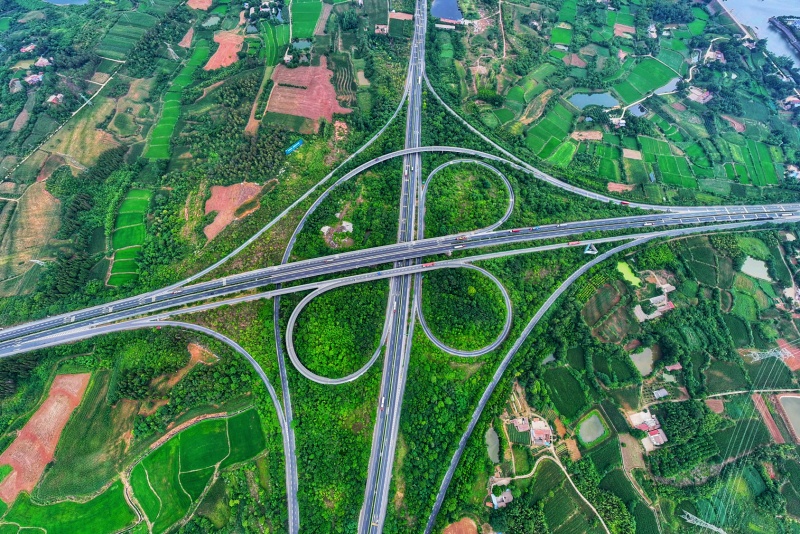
[{"x": 158, "y": 308}]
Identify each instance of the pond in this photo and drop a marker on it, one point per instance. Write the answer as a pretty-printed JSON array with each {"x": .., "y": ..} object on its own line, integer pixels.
[
  {"x": 644, "y": 361},
  {"x": 638, "y": 110},
  {"x": 791, "y": 405},
  {"x": 446, "y": 9},
  {"x": 671, "y": 86},
  {"x": 492, "y": 445},
  {"x": 591, "y": 429},
  {"x": 627, "y": 274},
  {"x": 302, "y": 44},
  {"x": 581, "y": 100},
  {"x": 756, "y": 269}
]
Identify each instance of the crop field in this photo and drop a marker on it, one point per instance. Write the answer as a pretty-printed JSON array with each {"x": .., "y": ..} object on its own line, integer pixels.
[
  {"x": 546, "y": 136},
  {"x": 167, "y": 481},
  {"x": 565, "y": 391},
  {"x": 617, "y": 483},
  {"x": 91, "y": 447},
  {"x": 158, "y": 145},
  {"x": 548, "y": 477},
  {"x": 515, "y": 436},
  {"x": 646, "y": 522},
  {"x": 601, "y": 303},
  {"x": 128, "y": 236},
  {"x": 109, "y": 512},
  {"x": 562, "y": 36},
  {"x": 5, "y": 24},
  {"x": 648, "y": 75},
  {"x": 304, "y": 17},
  {"x": 122, "y": 37},
  {"x": 568, "y": 11},
  {"x": 744, "y": 436}
]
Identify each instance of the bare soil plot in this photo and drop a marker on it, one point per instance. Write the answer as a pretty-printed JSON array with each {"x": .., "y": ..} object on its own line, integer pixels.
[
  {"x": 677, "y": 106},
  {"x": 202, "y": 5},
  {"x": 80, "y": 138},
  {"x": 323, "y": 19},
  {"x": 614, "y": 187},
  {"x": 36, "y": 443},
  {"x": 574, "y": 60},
  {"x": 305, "y": 92},
  {"x": 631, "y": 154},
  {"x": 225, "y": 201},
  {"x": 738, "y": 126},
  {"x": 20, "y": 121},
  {"x": 53, "y": 162},
  {"x": 465, "y": 526},
  {"x": 758, "y": 400},
  {"x": 572, "y": 447},
  {"x": 536, "y": 107},
  {"x": 591, "y": 135},
  {"x": 186, "y": 42},
  {"x": 715, "y": 405},
  {"x": 793, "y": 361},
  {"x": 632, "y": 452},
  {"x": 622, "y": 29},
  {"x": 230, "y": 43},
  {"x": 34, "y": 223}
]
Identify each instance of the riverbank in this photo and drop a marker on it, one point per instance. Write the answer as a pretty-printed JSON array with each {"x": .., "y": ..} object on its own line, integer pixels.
[
  {"x": 745, "y": 31},
  {"x": 787, "y": 33}
]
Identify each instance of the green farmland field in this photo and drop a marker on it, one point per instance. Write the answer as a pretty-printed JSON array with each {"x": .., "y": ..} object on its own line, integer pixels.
[
  {"x": 561, "y": 36},
  {"x": 304, "y": 18},
  {"x": 648, "y": 75},
  {"x": 158, "y": 145},
  {"x": 108, "y": 512},
  {"x": 170, "y": 479},
  {"x": 276, "y": 38},
  {"x": 565, "y": 391},
  {"x": 128, "y": 236}
]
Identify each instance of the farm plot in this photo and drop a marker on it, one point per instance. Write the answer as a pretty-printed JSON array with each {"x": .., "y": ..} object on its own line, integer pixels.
[
  {"x": 128, "y": 236},
  {"x": 546, "y": 136},
  {"x": 158, "y": 146},
  {"x": 123, "y": 35},
  {"x": 648, "y": 75},
  {"x": 169, "y": 480},
  {"x": 304, "y": 17},
  {"x": 276, "y": 38},
  {"x": 108, "y": 512},
  {"x": 566, "y": 391}
]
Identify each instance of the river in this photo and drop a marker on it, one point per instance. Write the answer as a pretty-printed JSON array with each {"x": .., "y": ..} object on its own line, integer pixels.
[{"x": 756, "y": 13}]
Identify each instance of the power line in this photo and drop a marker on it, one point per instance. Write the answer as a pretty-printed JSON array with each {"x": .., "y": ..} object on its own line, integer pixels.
[{"x": 689, "y": 518}]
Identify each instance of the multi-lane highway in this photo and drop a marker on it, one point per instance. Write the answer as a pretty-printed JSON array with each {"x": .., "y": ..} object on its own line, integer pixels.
[
  {"x": 25, "y": 337},
  {"x": 400, "y": 331}
]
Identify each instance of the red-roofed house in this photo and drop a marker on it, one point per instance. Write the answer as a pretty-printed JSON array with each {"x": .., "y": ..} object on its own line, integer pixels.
[
  {"x": 674, "y": 367},
  {"x": 657, "y": 437},
  {"x": 29, "y": 48},
  {"x": 33, "y": 79},
  {"x": 42, "y": 62}
]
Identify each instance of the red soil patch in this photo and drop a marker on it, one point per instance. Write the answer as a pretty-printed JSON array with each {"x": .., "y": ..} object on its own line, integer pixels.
[
  {"x": 242, "y": 20},
  {"x": 561, "y": 430},
  {"x": 793, "y": 361},
  {"x": 199, "y": 4},
  {"x": 738, "y": 126},
  {"x": 465, "y": 526},
  {"x": 311, "y": 94},
  {"x": 225, "y": 201},
  {"x": 52, "y": 163},
  {"x": 758, "y": 400},
  {"x": 229, "y": 45},
  {"x": 631, "y": 154},
  {"x": 186, "y": 42},
  {"x": 715, "y": 405},
  {"x": 622, "y": 29},
  {"x": 574, "y": 60},
  {"x": 614, "y": 187},
  {"x": 36, "y": 443},
  {"x": 678, "y": 106},
  {"x": 589, "y": 135}
]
